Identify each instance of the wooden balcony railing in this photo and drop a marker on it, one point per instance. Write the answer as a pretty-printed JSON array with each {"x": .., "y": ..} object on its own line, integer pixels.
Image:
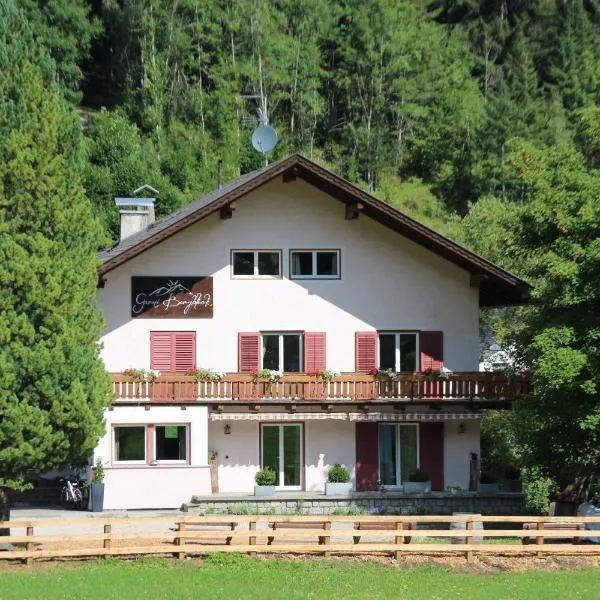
[{"x": 174, "y": 387}]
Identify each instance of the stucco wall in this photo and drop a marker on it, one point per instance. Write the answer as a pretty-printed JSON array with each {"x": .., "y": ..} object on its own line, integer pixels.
[
  {"x": 326, "y": 443},
  {"x": 387, "y": 282},
  {"x": 457, "y": 452},
  {"x": 159, "y": 486}
]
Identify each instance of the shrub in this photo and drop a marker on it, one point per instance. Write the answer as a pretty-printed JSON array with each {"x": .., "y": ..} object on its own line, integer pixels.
[
  {"x": 98, "y": 472},
  {"x": 266, "y": 476},
  {"x": 418, "y": 476},
  {"x": 338, "y": 474}
]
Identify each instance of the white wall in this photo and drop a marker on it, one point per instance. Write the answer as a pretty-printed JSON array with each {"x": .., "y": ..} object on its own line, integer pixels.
[
  {"x": 326, "y": 443},
  {"x": 457, "y": 451},
  {"x": 159, "y": 486},
  {"x": 388, "y": 282}
]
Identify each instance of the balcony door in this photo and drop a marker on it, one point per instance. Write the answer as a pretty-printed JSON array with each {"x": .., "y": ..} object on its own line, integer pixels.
[
  {"x": 398, "y": 453},
  {"x": 281, "y": 447}
]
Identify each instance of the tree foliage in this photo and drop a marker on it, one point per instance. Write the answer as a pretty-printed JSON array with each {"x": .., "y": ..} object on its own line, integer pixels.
[{"x": 52, "y": 383}]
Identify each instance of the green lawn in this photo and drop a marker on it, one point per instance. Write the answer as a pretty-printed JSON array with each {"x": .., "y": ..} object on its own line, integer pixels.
[{"x": 236, "y": 577}]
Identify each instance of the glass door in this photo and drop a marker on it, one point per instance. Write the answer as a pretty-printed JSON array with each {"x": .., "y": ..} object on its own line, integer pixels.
[
  {"x": 282, "y": 451},
  {"x": 398, "y": 453}
]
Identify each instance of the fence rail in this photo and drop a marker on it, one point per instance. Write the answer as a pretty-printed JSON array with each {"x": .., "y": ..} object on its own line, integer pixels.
[
  {"x": 173, "y": 387},
  {"x": 396, "y": 535}
]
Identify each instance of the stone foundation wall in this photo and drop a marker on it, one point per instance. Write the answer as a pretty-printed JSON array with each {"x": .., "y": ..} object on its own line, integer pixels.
[{"x": 417, "y": 504}]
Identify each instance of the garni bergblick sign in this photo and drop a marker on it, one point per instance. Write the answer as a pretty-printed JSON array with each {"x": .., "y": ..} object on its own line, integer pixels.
[{"x": 172, "y": 297}]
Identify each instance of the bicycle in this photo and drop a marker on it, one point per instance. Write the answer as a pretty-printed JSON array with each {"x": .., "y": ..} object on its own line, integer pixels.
[{"x": 71, "y": 496}]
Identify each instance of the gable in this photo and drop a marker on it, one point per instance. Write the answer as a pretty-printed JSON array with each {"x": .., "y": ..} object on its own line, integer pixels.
[{"x": 497, "y": 287}]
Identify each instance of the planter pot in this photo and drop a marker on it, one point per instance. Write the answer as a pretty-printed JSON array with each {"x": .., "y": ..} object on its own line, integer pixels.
[
  {"x": 488, "y": 488},
  {"x": 338, "y": 489},
  {"x": 417, "y": 487},
  {"x": 97, "y": 495},
  {"x": 264, "y": 490}
]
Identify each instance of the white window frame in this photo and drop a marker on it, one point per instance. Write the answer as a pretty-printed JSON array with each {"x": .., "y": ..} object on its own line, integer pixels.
[
  {"x": 116, "y": 461},
  {"x": 280, "y": 334},
  {"x": 280, "y": 473},
  {"x": 397, "y": 335},
  {"x": 256, "y": 253},
  {"x": 398, "y": 426},
  {"x": 314, "y": 252},
  {"x": 185, "y": 461}
]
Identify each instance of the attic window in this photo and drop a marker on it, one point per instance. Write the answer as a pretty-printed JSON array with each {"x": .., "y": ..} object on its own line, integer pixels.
[
  {"x": 315, "y": 264},
  {"x": 256, "y": 263}
]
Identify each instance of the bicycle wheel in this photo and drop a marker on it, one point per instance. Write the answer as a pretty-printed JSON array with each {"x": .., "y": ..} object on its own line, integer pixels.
[{"x": 68, "y": 502}]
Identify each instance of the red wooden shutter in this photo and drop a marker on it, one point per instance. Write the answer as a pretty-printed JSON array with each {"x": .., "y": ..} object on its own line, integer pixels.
[
  {"x": 431, "y": 443},
  {"x": 314, "y": 352},
  {"x": 185, "y": 351},
  {"x": 367, "y": 456},
  {"x": 431, "y": 349},
  {"x": 161, "y": 350},
  {"x": 248, "y": 352},
  {"x": 366, "y": 351}
]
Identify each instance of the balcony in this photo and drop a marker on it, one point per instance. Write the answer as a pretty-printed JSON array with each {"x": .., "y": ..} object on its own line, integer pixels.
[{"x": 236, "y": 388}]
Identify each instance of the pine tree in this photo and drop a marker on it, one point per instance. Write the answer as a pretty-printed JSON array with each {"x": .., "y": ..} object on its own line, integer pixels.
[{"x": 53, "y": 387}]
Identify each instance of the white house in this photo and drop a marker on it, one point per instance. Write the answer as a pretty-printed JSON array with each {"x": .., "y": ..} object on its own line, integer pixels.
[{"x": 292, "y": 269}]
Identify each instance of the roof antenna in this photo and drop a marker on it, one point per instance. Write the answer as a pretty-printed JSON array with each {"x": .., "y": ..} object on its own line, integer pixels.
[{"x": 264, "y": 137}]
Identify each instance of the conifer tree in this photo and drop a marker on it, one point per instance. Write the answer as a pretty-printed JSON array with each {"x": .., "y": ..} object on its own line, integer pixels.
[{"x": 53, "y": 387}]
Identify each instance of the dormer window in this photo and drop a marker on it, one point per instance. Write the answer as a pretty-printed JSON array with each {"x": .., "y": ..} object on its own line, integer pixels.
[
  {"x": 256, "y": 263},
  {"x": 314, "y": 264}
]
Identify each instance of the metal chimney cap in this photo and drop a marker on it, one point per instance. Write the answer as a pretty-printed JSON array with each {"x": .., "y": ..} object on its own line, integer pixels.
[
  {"x": 147, "y": 187},
  {"x": 135, "y": 201}
]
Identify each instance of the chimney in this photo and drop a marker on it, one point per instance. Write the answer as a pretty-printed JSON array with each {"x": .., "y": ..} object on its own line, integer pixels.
[{"x": 136, "y": 215}]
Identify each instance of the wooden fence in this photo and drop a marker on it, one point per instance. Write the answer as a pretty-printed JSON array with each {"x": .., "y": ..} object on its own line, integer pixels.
[{"x": 395, "y": 535}]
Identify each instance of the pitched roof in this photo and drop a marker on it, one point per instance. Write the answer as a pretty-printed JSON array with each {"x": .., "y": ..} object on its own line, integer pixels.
[{"x": 497, "y": 287}]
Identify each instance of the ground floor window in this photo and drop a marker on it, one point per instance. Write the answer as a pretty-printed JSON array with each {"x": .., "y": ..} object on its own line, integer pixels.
[
  {"x": 281, "y": 449},
  {"x": 282, "y": 352},
  {"x": 130, "y": 444},
  {"x": 398, "y": 453},
  {"x": 170, "y": 442},
  {"x": 150, "y": 444}
]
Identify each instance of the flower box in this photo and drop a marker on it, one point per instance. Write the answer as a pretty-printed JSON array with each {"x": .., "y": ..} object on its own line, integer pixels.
[{"x": 417, "y": 487}]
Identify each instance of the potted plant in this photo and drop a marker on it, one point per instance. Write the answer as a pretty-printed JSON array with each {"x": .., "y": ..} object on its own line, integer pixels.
[
  {"x": 488, "y": 484},
  {"x": 338, "y": 481},
  {"x": 97, "y": 487},
  {"x": 265, "y": 482},
  {"x": 418, "y": 483}
]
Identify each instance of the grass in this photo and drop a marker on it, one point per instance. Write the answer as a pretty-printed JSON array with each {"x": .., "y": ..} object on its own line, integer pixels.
[{"x": 229, "y": 577}]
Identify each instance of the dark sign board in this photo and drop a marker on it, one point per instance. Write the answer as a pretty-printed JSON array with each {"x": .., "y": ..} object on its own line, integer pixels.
[{"x": 172, "y": 297}]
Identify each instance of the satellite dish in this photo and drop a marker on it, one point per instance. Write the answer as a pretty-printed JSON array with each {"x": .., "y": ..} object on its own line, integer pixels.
[{"x": 264, "y": 138}]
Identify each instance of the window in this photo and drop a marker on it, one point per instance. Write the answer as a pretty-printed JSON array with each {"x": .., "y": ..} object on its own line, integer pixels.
[
  {"x": 398, "y": 453},
  {"x": 173, "y": 350},
  {"x": 282, "y": 352},
  {"x": 130, "y": 444},
  {"x": 150, "y": 444},
  {"x": 170, "y": 442},
  {"x": 315, "y": 264},
  {"x": 398, "y": 351},
  {"x": 256, "y": 263}
]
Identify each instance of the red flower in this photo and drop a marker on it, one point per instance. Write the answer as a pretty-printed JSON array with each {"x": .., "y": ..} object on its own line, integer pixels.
[{"x": 373, "y": 371}]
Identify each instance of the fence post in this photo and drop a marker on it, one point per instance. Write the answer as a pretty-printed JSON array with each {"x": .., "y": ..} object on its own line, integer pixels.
[
  {"x": 539, "y": 540},
  {"x": 399, "y": 538},
  {"x": 327, "y": 538},
  {"x": 29, "y": 546},
  {"x": 180, "y": 541},
  {"x": 252, "y": 539},
  {"x": 107, "y": 531},
  {"x": 469, "y": 539}
]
